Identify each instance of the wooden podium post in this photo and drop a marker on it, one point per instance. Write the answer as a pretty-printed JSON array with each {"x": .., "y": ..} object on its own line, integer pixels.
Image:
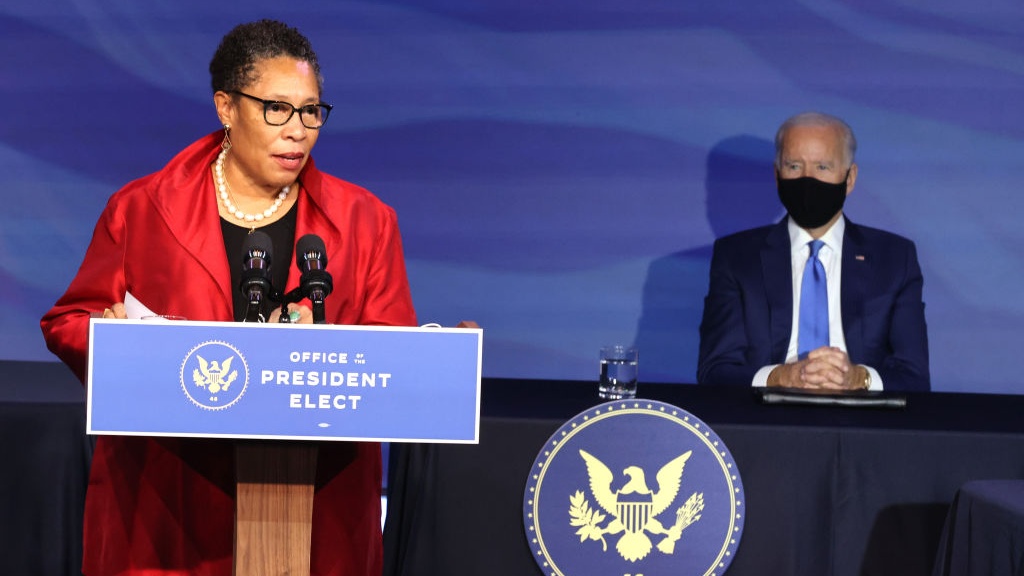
[{"x": 274, "y": 507}]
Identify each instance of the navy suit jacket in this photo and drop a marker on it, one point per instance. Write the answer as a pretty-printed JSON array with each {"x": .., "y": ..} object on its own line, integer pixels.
[{"x": 748, "y": 312}]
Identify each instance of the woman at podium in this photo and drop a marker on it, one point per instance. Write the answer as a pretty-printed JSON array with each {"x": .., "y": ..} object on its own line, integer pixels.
[{"x": 173, "y": 241}]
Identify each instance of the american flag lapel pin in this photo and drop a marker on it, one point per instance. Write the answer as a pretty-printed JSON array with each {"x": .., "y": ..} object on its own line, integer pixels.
[{"x": 859, "y": 257}]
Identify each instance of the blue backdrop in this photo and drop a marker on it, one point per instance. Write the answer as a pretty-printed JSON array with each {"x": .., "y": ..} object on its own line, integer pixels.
[{"x": 560, "y": 169}]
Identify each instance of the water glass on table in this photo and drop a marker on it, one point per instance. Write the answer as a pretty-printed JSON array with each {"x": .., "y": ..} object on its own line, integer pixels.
[{"x": 619, "y": 368}]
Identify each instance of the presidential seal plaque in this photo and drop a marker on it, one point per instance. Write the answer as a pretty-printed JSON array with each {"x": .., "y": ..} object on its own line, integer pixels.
[
  {"x": 211, "y": 384},
  {"x": 634, "y": 488}
]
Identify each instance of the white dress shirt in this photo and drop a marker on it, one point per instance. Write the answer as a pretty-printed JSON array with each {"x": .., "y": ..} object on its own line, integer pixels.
[{"x": 831, "y": 257}]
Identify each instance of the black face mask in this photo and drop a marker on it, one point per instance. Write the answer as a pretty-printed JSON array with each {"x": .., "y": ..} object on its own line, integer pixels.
[{"x": 810, "y": 202}]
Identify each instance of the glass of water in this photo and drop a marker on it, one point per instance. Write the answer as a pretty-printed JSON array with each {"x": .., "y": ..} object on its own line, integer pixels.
[{"x": 619, "y": 367}]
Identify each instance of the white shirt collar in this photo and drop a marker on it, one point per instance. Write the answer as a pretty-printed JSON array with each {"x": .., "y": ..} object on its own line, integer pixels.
[{"x": 833, "y": 237}]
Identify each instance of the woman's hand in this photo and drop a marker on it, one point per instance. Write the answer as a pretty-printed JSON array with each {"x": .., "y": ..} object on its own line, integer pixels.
[
  {"x": 116, "y": 311},
  {"x": 299, "y": 314}
]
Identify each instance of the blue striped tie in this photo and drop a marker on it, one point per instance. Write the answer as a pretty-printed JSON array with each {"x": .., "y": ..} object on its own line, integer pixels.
[{"x": 813, "y": 304}]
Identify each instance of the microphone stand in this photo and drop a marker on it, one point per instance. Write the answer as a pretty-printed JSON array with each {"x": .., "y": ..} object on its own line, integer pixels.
[
  {"x": 312, "y": 289},
  {"x": 316, "y": 285},
  {"x": 254, "y": 309},
  {"x": 319, "y": 313}
]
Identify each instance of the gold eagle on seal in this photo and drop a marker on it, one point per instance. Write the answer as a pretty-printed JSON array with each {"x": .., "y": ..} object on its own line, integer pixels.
[
  {"x": 214, "y": 376},
  {"x": 634, "y": 507}
]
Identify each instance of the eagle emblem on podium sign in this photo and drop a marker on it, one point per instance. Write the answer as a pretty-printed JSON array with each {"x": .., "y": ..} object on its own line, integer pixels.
[
  {"x": 214, "y": 375},
  {"x": 634, "y": 508}
]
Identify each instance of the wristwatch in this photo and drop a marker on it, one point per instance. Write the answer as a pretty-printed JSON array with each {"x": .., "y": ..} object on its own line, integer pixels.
[{"x": 866, "y": 382}]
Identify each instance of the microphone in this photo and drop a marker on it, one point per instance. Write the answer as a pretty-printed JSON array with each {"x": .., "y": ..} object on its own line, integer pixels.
[
  {"x": 255, "y": 283},
  {"x": 316, "y": 283}
]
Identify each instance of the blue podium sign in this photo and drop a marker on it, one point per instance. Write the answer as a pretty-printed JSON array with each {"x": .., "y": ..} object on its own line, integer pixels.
[{"x": 284, "y": 381}]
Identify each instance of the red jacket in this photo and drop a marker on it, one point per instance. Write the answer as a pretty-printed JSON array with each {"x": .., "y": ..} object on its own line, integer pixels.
[{"x": 166, "y": 505}]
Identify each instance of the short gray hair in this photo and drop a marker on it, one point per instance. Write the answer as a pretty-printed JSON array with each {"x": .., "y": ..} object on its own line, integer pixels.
[{"x": 849, "y": 142}]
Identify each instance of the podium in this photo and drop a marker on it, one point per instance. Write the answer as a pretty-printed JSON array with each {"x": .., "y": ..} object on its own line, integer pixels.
[{"x": 276, "y": 390}]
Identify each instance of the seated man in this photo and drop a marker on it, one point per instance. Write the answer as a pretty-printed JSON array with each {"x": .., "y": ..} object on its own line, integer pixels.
[{"x": 814, "y": 301}]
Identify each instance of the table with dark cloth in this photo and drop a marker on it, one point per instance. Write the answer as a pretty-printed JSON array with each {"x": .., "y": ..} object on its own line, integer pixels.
[
  {"x": 45, "y": 455},
  {"x": 829, "y": 490},
  {"x": 984, "y": 531}
]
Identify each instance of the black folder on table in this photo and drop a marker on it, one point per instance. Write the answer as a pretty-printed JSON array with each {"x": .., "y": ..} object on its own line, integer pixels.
[{"x": 848, "y": 398}]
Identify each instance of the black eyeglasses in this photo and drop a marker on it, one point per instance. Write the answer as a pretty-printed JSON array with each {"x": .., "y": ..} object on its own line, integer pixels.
[{"x": 278, "y": 113}]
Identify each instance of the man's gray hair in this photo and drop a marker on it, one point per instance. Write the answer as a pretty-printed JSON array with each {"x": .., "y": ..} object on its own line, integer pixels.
[{"x": 818, "y": 119}]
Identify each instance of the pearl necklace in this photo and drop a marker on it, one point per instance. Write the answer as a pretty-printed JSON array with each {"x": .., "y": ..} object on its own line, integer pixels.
[{"x": 225, "y": 197}]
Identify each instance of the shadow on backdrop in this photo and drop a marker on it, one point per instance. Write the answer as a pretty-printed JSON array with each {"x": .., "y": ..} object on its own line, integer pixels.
[{"x": 740, "y": 195}]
